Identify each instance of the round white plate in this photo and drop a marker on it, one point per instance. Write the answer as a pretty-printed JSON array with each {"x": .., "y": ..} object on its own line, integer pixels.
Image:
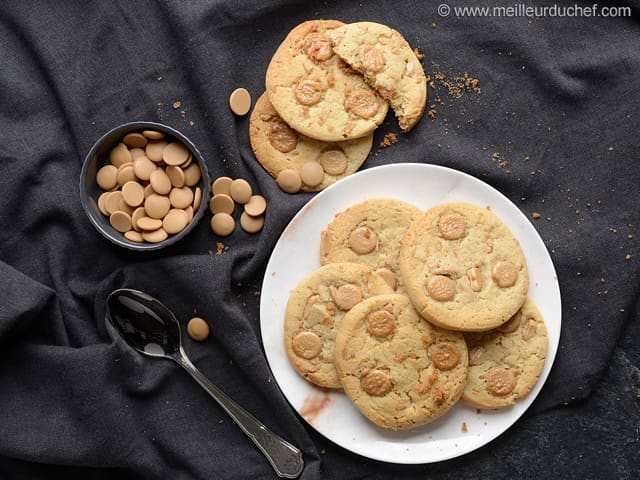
[{"x": 296, "y": 254}]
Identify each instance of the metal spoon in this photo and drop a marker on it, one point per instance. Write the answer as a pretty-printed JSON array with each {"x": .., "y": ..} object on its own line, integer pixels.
[{"x": 152, "y": 329}]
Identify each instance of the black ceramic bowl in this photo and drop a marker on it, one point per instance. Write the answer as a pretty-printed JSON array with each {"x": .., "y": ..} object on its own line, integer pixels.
[{"x": 98, "y": 156}]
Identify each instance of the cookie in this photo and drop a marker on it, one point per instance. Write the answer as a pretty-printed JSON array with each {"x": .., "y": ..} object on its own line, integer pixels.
[
  {"x": 505, "y": 363},
  {"x": 315, "y": 92},
  {"x": 278, "y": 147},
  {"x": 388, "y": 64},
  {"x": 398, "y": 369},
  {"x": 314, "y": 311},
  {"x": 370, "y": 233},
  {"x": 463, "y": 268}
]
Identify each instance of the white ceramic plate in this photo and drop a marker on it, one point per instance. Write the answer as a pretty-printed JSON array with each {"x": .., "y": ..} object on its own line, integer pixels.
[{"x": 296, "y": 254}]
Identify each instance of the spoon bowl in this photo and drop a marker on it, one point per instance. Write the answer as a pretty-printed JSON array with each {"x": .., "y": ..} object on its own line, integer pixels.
[{"x": 153, "y": 330}]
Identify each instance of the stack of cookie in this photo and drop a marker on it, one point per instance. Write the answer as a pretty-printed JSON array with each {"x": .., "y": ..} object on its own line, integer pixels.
[
  {"x": 328, "y": 87},
  {"x": 412, "y": 311}
]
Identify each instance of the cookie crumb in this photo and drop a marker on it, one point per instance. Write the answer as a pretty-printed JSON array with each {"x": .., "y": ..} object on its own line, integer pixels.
[
  {"x": 464, "y": 427},
  {"x": 419, "y": 55},
  {"x": 388, "y": 140},
  {"x": 627, "y": 257},
  {"x": 177, "y": 104},
  {"x": 221, "y": 248},
  {"x": 535, "y": 215}
]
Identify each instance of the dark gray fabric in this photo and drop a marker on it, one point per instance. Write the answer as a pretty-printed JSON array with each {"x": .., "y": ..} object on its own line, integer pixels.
[{"x": 558, "y": 103}]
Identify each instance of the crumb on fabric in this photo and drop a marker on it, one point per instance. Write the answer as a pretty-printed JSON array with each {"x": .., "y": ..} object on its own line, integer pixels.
[
  {"x": 177, "y": 104},
  {"x": 419, "y": 55},
  {"x": 221, "y": 248},
  {"x": 388, "y": 140},
  {"x": 535, "y": 215}
]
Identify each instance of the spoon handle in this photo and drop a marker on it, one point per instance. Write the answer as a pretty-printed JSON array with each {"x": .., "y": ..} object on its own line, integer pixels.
[{"x": 285, "y": 459}]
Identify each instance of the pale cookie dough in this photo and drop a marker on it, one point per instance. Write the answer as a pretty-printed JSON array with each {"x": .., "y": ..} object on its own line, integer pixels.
[
  {"x": 398, "y": 369},
  {"x": 279, "y": 148},
  {"x": 315, "y": 92},
  {"x": 463, "y": 268},
  {"x": 388, "y": 64},
  {"x": 314, "y": 311},
  {"x": 505, "y": 363},
  {"x": 370, "y": 233}
]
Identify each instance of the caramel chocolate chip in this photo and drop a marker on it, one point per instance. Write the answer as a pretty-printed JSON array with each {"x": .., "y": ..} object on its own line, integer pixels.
[
  {"x": 346, "y": 296},
  {"x": 376, "y": 382},
  {"x": 181, "y": 197},
  {"x": 312, "y": 174},
  {"x": 175, "y": 221},
  {"x": 451, "y": 226},
  {"x": 334, "y": 162},
  {"x": 198, "y": 329},
  {"x": 221, "y": 203},
  {"x": 153, "y": 134},
  {"x": 192, "y": 175},
  {"x": 133, "y": 236},
  {"x": 308, "y": 92},
  {"x": 125, "y": 174},
  {"x": 371, "y": 59},
  {"x": 154, "y": 150},
  {"x": 363, "y": 240},
  {"x": 381, "y": 323},
  {"x": 119, "y": 155},
  {"x": 241, "y": 191},
  {"x": 222, "y": 224},
  {"x": 175, "y": 153},
  {"x": 289, "y": 180},
  {"x": 282, "y": 137},
  {"x": 501, "y": 381},
  {"x": 148, "y": 223},
  {"x": 441, "y": 288},
  {"x": 504, "y": 274},
  {"x": 222, "y": 185},
  {"x": 107, "y": 177},
  {"x": 135, "y": 140},
  {"x": 362, "y": 103},
  {"x": 121, "y": 221},
  {"x": 256, "y": 205},
  {"x": 143, "y": 167},
  {"x": 157, "y": 206},
  {"x": 318, "y": 47},
  {"x": 306, "y": 344},
  {"x": 160, "y": 182},
  {"x": 251, "y": 224},
  {"x": 445, "y": 355},
  {"x": 240, "y": 101},
  {"x": 176, "y": 175},
  {"x": 155, "y": 236},
  {"x": 133, "y": 193}
]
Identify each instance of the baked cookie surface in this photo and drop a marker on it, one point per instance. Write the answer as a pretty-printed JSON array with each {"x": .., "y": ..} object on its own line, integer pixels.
[
  {"x": 398, "y": 369},
  {"x": 505, "y": 363},
  {"x": 314, "y": 311},
  {"x": 370, "y": 233},
  {"x": 315, "y": 92},
  {"x": 463, "y": 268},
  {"x": 278, "y": 147},
  {"x": 388, "y": 64}
]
